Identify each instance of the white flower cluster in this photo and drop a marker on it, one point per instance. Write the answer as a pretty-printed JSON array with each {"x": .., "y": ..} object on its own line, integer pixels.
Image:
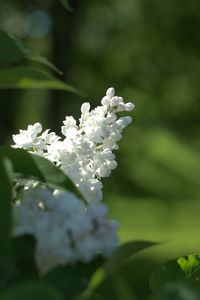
[
  {"x": 29, "y": 139},
  {"x": 86, "y": 152},
  {"x": 66, "y": 231}
]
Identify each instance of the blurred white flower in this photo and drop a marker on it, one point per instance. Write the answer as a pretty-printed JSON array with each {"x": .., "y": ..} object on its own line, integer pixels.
[{"x": 66, "y": 231}]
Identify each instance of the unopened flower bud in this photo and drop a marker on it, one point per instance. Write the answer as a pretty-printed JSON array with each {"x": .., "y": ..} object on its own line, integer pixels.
[
  {"x": 85, "y": 107},
  {"x": 105, "y": 101},
  {"x": 110, "y": 92},
  {"x": 129, "y": 106}
]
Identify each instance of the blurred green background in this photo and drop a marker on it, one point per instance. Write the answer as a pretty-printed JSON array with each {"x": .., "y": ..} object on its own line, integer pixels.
[{"x": 149, "y": 50}]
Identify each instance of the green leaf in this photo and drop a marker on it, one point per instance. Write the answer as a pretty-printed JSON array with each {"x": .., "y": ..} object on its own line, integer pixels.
[
  {"x": 73, "y": 280},
  {"x": 169, "y": 272},
  {"x": 27, "y": 165},
  {"x": 124, "y": 252},
  {"x": 119, "y": 257},
  {"x": 31, "y": 291},
  {"x": 27, "y": 77},
  {"x": 10, "y": 52},
  {"x": 13, "y": 51},
  {"x": 169, "y": 282},
  {"x": 191, "y": 266},
  {"x": 31, "y": 55}
]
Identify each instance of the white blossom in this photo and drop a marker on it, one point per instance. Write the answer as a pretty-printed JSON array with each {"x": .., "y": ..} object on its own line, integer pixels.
[
  {"x": 85, "y": 152},
  {"x": 28, "y": 138},
  {"x": 31, "y": 140},
  {"x": 66, "y": 231}
]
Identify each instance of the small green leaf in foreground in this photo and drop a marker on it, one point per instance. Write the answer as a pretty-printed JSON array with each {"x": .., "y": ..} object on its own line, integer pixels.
[
  {"x": 170, "y": 282},
  {"x": 190, "y": 265},
  {"x": 13, "y": 51},
  {"x": 31, "y": 78},
  {"x": 27, "y": 165},
  {"x": 124, "y": 252},
  {"x": 119, "y": 257},
  {"x": 31, "y": 55},
  {"x": 10, "y": 52}
]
